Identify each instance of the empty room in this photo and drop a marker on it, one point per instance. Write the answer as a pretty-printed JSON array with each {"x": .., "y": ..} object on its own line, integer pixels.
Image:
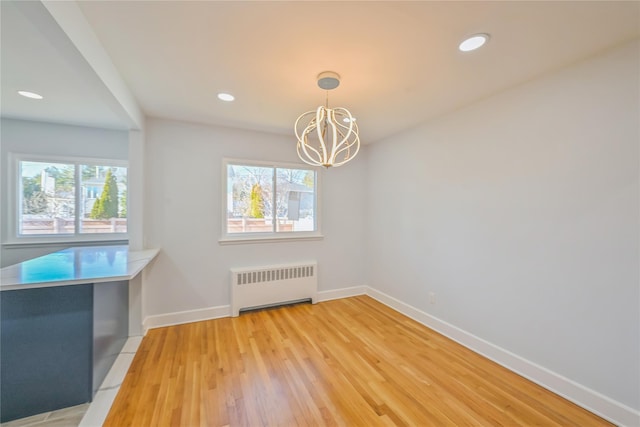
[{"x": 308, "y": 213}]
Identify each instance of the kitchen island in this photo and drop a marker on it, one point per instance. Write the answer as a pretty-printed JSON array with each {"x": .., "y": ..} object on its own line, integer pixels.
[{"x": 64, "y": 320}]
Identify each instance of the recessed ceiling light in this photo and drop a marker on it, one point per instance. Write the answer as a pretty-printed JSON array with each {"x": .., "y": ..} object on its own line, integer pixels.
[
  {"x": 31, "y": 95},
  {"x": 473, "y": 42},
  {"x": 226, "y": 97}
]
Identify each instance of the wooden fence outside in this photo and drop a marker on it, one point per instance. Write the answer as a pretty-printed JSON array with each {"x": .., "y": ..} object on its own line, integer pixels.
[
  {"x": 256, "y": 225},
  {"x": 67, "y": 226}
]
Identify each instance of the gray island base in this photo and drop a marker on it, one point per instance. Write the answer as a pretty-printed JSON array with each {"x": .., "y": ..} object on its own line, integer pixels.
[{"x": 65, "y": 318}]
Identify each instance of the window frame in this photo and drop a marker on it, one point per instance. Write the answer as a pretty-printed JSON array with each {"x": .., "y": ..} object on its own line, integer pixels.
[
  {"x": 14, "y": 209},
  {"x": 273, "y": 236}
]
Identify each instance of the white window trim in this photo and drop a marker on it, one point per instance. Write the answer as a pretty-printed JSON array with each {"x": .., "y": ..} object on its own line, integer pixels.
[
  {"x": 14, "y": 239},
  {"x": 241, "y": 238}
]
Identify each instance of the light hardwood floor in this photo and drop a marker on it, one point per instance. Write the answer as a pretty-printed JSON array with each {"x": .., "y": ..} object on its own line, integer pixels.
[{"x": 351, "y": 362}]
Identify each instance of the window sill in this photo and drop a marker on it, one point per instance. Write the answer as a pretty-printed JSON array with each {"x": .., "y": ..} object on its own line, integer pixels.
[
  {"x": 243, "y": 239},
  {"x": 36, "y": 242}
]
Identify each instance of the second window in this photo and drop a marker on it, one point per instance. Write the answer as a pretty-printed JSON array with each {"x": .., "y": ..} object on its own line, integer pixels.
[{"x": 263, "y": 198}]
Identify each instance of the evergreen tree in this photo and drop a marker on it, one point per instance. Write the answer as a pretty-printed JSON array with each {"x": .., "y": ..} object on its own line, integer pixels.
[
  {"x": 96, "y": 210},
  {"x": 107, "y": 205},
  {"x": 123, "y": 205},
  {"x": 256, "y": 209},
  {"x": 30, "y": 186},
  {"x": 64, "y": 178}
]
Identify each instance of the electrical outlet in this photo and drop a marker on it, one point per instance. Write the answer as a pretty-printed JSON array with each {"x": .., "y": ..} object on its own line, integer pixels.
[{"x": 432, "y": 297}]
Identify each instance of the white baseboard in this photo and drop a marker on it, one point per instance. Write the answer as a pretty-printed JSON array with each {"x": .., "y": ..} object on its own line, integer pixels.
[
  {"x": 180, "y": 317},
  {"x": 341, "y": 293},
  {"x": 591, "y": 400}
]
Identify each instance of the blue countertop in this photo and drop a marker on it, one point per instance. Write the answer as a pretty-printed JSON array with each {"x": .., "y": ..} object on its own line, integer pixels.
[{"x": 77, "y": 265}]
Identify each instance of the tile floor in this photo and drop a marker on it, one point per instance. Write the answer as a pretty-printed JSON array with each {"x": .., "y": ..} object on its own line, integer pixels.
[
  {"x": 66, "y": 417},
  {"x": 89, "y": 414}
]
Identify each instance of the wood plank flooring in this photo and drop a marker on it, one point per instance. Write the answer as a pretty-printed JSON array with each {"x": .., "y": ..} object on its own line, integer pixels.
[{"x": 348, "y": 362}]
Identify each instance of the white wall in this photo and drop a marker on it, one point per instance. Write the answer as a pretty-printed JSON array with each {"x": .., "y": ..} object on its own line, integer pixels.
[
  {"x": 38, "y": 138},
  {"x": 135, "y": 222},
  {"x": 183, "y": 168},
  {"x": 521, "y": 213}
]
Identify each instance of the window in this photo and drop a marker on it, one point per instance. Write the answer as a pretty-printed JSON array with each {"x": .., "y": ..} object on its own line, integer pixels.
[
  {"x": 269, "y": 201},
  {"x": 68, "y": 199}
]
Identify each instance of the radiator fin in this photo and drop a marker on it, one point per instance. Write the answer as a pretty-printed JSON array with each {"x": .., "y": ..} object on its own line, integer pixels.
[{"x": 274, "y": 274}]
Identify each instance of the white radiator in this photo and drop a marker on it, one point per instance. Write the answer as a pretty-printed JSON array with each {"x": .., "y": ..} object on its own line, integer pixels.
[{"x": 272, "y": 285}]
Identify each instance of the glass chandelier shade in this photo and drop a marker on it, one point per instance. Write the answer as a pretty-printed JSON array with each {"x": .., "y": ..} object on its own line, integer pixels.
[{"x": 327, "y": 136}]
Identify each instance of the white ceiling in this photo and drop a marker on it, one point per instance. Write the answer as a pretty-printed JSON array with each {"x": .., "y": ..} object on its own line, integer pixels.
[{"x": 398, "y": 60}]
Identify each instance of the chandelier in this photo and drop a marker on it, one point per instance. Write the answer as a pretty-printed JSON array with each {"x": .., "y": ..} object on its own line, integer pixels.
[{"x": 327, "y": 136}]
